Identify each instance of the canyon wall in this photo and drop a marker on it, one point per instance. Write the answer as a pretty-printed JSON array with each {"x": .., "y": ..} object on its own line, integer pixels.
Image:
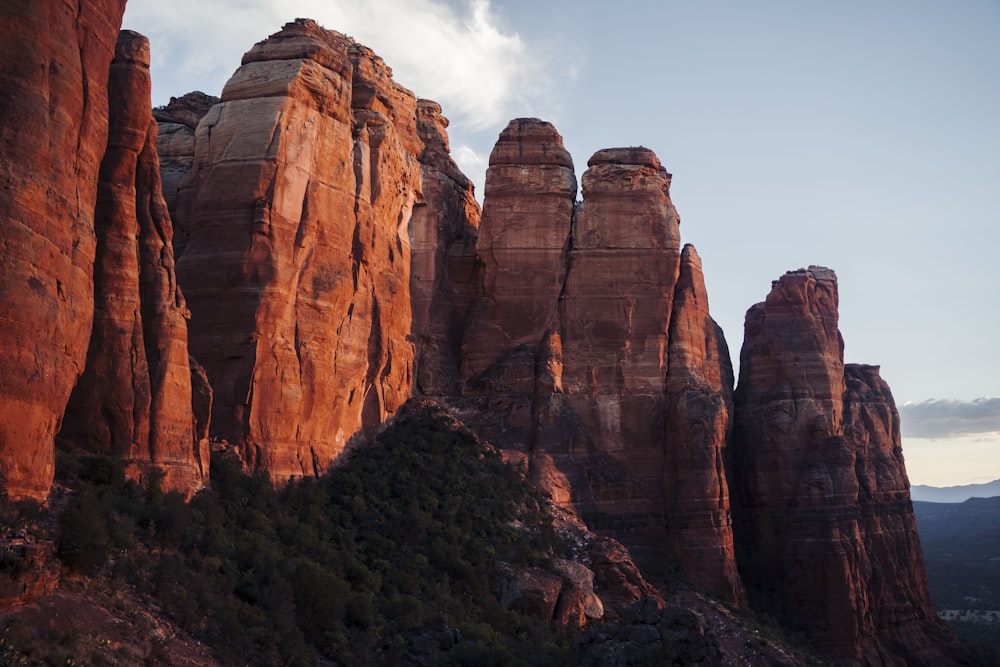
[
  {"x": 297, "y": 269},
  {"x": 134, "y": 398},
  {"x": 53, "y": 131},
  {"x": 824, "y": 520}
]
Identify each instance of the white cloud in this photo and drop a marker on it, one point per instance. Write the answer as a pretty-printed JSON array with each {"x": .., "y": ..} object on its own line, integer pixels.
[
  {"x": 472, "y": 163},
  {"x": 457, "y": 53},
  {"x": 948, "y": 418}
]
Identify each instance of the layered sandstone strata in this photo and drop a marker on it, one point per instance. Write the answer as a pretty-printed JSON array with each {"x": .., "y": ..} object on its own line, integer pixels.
[
  {"x": 134, "y": 398},
  {"x": 298, "y": 265},
  {"x": 53, "y": 132},
  {"x": 824, "y": 520}
]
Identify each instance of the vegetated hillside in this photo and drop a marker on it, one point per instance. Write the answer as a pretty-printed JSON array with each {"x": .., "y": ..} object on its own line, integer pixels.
[
  {"x": 392, "y": 558},
  {"x": 961, "y": 544}
]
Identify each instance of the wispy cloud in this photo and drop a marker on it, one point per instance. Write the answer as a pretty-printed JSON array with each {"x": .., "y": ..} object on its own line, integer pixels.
[
  {"x": 457, "y": 53},
  {"x": 946, "y": 418}
]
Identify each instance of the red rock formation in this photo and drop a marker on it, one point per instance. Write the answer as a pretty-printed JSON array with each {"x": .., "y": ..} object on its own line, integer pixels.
[
  {"x": 305, "y": 175},
  {"x": 134, "y": 397},
  {"x": 527, "y": 211},
  {"x": 443, "y": 232},
  {"x": 698, "y": 408},
  {"x": 614, "y": 314},
  {"x": 177, "y": 123},
  {"x": 53, "y": 131},
  {"x": 824, "y": 520}
]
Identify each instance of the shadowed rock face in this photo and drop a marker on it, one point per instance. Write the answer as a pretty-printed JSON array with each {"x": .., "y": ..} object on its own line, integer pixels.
[
  {"x": 698, "y": 425},
  {"x": 297, "y": 269},
  {"x": 615, "y": 315},
  {"x": 824, "y": 520},
  {"x": 53, "y": 132},
  {"x": 568, "y": 345},
  {"x": 177, "y": 123},
  {"x": 134, "y": 398},
  {"x": 443, "y": 232}
]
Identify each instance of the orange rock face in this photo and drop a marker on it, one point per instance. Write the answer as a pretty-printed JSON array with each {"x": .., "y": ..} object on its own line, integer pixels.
[
  {"x": 298, "y": 264},
  {"x": 134, "y": 398},
  {"x": 822, "y": 498},
  {"x": 53, "y": 132}
]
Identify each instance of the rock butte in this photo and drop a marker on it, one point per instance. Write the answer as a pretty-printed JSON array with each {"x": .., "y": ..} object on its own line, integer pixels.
[{"x": 335, "y": 264}]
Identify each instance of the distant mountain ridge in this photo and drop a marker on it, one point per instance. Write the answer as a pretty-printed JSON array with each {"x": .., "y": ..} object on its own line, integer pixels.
[{"x": 954, "y": 494}]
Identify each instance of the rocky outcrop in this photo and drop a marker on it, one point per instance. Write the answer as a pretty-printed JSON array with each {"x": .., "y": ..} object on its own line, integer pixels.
[
  {"x": 297, "y": 269},
  {"x": 697, "y": 432},
  {"x": 527, "y": 211},
  {"x": 53, "y": 131},
  {"x": 134, "y": 398},
  {"x": 615, "y": 316},
  {"x": 177, "y": 122},
  {"x": 568, "y": 344},
  {"x": 443, "y": 232},
  {"x": 824, "y": 519}
]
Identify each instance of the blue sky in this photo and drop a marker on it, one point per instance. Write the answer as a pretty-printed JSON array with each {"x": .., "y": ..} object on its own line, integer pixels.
[{"x": 862, "y": 136}]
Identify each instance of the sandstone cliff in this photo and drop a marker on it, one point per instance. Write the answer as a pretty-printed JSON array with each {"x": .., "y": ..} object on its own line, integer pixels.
[
  {"x": 297, "y": 271},
  {"x": 824, "y": 520},
  {"x": 134, "y": 398},
  {"x": 53, "y": 131},
  {"x": 566, "y": 354}
]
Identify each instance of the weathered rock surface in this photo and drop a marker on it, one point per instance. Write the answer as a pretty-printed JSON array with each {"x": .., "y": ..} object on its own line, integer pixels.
[
  {"x": 568, "y": 343},
  {"x": 824, "y": 520},
  {"x": 298, "y": 264},
  {"x": 698, "y": 410},
  {"x": 614, "y": 314},
  {"x": 53, "y": 131},
  {"x": 527, "y": 211},
  {"x": 177, "y": 123},
  {"x": 134, "y": 397},
  {"x": 443, "y": 231}
]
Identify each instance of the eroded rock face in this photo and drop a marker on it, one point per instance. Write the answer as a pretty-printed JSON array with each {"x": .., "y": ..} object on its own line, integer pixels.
[
  {"x": 568, "y": 344},
  {"x": 824, "y": 519},
  {"x": 134, "y": 398},
  {"x": 53, "y": 132},
  {"x": 177, "y": 123},
  {"x": 698, "y": 411},
  {"x": 615, "y": 315},
  {"x": 527, "y": 212},
  {"x": 443, "y": 231},
  {"x": 298, "y": 264}
]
